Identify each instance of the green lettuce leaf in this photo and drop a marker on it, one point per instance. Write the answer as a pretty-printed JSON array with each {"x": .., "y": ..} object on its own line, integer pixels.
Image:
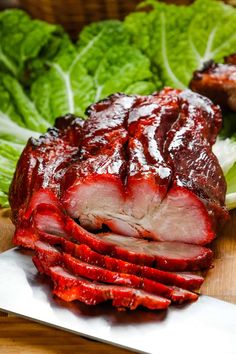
[
  {"x": 24, "y": 106},
  {"x": 179, "y": 39},
  {"x": 14, "y": 126},
  {"x": 22, "y": 39},
  {"x": 231, "y": 187},
  {"x": 9, "y": 154},
  {"x": 103, "y": 62}
]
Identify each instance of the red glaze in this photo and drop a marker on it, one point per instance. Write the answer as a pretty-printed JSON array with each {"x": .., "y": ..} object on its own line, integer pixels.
[{"x": 148, "y": 122}]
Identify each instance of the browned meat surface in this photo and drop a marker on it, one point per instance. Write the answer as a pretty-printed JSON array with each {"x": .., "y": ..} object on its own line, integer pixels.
[{"x": 218, "y": 82}]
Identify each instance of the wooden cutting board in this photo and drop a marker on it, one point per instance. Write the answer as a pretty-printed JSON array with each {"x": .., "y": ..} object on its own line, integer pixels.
[{"x": 22, "y": 336}]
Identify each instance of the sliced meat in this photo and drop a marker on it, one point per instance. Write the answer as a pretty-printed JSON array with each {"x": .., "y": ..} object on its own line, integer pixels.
[
  {"x": 139, "y": 183},
  {"x": 49, "y": 256},
  {"x": 44, "y": 199},
  {"x": 164, "y": 255},
  {"x": 69, "y": 288},
  {"x": 218, "y": 82},
  {"x": 43, "y": 163},
  {"x": 92, "y": 272},
  {"x": 46, "y": 256},
  {"x": 187, "y": 281}
]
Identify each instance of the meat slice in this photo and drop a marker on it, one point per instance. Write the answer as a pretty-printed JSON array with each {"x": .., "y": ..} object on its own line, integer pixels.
[
  {"x": 49, "y": 256},
  {"x": 218, "y": 82},
  {"x": 44, "y": 199},
  {"x": 187, "y": 281},
  {"x": 43, "y": 163},
  {"x": 46, "y": 256},
  {"x": 69, "y": 288},
  {"x": 173, "y": 256}
]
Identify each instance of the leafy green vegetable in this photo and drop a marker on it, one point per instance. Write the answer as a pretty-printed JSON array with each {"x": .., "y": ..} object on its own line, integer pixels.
[
  {"x": 26, "y": 108},
  {"x": 179, "y": 39},
  {"x": 103, "y": 62},
  {"x": 9, "y": 154},
  {"x": 231, "y": 188},
  {"x": 13, "y": 125},
  {"x": 22, "y": 39},
  {"x": 44, "y": 75}
]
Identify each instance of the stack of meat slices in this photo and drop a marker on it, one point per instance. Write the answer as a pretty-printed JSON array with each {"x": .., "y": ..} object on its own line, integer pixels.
[{"x": 140, "y": 167}]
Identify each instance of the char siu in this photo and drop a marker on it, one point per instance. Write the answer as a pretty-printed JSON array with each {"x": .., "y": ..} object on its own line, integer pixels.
[{"x": 144, "y": 168}]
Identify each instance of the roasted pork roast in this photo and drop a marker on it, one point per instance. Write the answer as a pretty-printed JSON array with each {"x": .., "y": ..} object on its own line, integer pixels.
[{"x": 127, "y": 198}]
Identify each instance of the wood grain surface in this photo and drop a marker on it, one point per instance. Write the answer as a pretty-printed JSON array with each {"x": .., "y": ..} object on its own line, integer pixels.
[{"x": 20, "y": 336}]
